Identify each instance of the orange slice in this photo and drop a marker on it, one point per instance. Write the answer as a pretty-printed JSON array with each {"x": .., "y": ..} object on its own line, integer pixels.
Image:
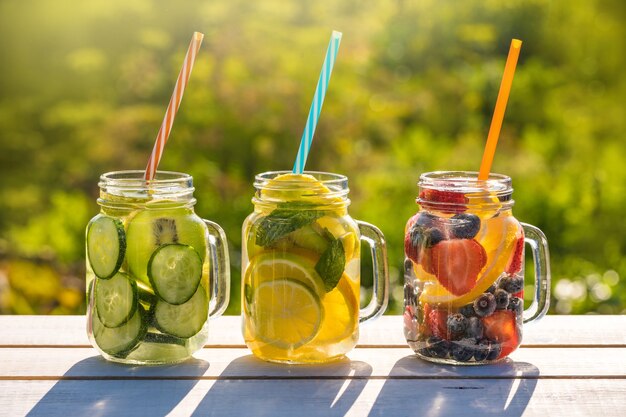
[{"x": 498, "y": 239}]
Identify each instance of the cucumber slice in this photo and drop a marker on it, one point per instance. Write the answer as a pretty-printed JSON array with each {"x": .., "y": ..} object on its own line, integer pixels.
[
  {"x": 164, "y": 339},
  {"x": 175, "y": 271},
  {"x": 183, "y": 320},
  {"x": 106, "y": 245},
  {"x": 145, "y": 293},
  {"x": 116, "y": 299},
  {"x": 121, "y": 340},
  {"x": 151, "y": 228}
]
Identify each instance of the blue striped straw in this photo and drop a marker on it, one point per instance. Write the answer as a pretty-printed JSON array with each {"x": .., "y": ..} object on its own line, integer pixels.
[{"x": 316, "y": 105}]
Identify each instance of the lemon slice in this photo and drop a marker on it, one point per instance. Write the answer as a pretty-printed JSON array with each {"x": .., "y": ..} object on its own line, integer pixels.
[
  {"x": 273, "y": 265},
  {"x": 340, "y": 313},
  {"x": 483, "y": 204},
  {"x": 497, "y": 236},
  {"x": 287, "y": 313},
  {"x": 340, "y": 230},
  {"x": 298, "y": 187}
]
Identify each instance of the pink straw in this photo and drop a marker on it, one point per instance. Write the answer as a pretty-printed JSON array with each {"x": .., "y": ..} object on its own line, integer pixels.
[{"x": 172, "y": 108}]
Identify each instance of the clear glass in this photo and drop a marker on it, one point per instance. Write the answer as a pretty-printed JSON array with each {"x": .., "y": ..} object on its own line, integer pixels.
[
  {"x": 301, "y": 264},
  {"x": 155, "y": 270},
  {"x": 464, "y": 270}
]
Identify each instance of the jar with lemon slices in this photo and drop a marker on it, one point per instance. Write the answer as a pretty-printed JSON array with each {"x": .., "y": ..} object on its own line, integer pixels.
[
  {"x": 301, "y": 269},
  {"x": 464, "y": 270}
]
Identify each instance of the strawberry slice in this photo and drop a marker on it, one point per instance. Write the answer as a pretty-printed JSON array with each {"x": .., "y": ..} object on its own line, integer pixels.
[
  {"x": 501, "y": 327},
  {"x": 433, "y": 199},
  {"x": 515, "y": 263},
  {"x": 436, "y": 321},
  {"x": 456, "y": 264}
]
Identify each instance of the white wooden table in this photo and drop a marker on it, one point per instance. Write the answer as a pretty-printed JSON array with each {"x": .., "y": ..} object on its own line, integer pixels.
[{"x": 567, "y": 366}]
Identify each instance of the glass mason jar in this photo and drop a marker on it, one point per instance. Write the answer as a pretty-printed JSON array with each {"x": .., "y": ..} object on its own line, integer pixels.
[
  {"x": 464, "y": 270},
  {"x": 301, "y": 267},
  {"x": 152, "y": 267}
]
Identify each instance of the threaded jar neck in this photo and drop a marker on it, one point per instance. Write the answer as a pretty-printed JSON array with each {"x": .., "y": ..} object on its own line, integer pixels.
[
  {"x": 310, "y": 190},
  {"x": 130, "y": 189},
  {"x": 456, "y": 191}
]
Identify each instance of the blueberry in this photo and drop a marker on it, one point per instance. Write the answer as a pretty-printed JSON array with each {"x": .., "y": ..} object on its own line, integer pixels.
[
  {"x": 511, "y": 283},
  {"x": 410, "y": 295},
  {"x": 465, "y": 225},
  {"x": 426, "y": 219},
  {"x": 437, "y": 347},
  {"x": 423, "y": 236},
  {"x": 474, "y": 328},
  {"x": 467, "y": 310},
  {"x": 502, "y": 299},
  {"x": 485, "y": 304},
  {"x": 457, "y": 323},
  {"x": 482, "y": 349},
  {"x": 463, "y": 350},
  {"x": 408, "y": 267},
  {"x": 516, "y": 305},
  {"x": 492, "y": 289},
  {"x": 494, "y": 351}
]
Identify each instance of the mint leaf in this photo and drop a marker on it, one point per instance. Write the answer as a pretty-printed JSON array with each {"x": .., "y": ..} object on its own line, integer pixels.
[
  {"x": 331, "y": 264},
  {"x": 281, "y": 222},
  {"x": 247, "y": 291}
]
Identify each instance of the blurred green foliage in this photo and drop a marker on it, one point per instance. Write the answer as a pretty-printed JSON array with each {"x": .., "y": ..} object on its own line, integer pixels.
[{"x": 83, "y": 86}]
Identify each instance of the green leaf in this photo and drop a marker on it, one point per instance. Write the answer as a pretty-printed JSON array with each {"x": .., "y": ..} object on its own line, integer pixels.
[
  {"x": 331, "y": 264},
  {"x": 281, "y": 222}
]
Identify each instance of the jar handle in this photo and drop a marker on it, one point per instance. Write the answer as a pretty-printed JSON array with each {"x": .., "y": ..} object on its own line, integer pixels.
[
  {"x": 220, "y": 270},
  {"x": 380, "y": 294},
  {"x": 538, "y": 243}
]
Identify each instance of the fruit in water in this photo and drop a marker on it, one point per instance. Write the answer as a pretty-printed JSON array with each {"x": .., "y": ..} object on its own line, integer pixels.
[
  {"x": 436, "y": 320},
  {"x": 149, "y": 229},
  {"x": 268, "y": 266},
  {"x": 309, "y": 238},
  {"x": 464, "y": 225},
  {"x": 457, "y": 263},
  {"x": 481, "y": 351},
  {"x": 502, "y": 299},
  {"x": 340, "y": 314},
  {"x": 286, "y": 313},
  {"x": 457, "y": 323},
  {"x": 437, "y": 347},
  {"x": 515, "y": 264},
  {"x": 467, "y": 310},
  {"x": 501, "y": 327},
  {"x": 516, "y": 305},
  {"x": 463, "y": 350},
  {"x": 417, "y": 239},
  {"x": 437, "y": 199},
  {"x": 475, "y": 328},
  {"x": 485, "y": 305},
  {"x": 511, "y": 283}
]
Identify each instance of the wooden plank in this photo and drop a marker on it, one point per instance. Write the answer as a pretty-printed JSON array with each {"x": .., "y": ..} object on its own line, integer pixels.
[
  {"x": 386, "y": 331},
  {"x": 302, "y": 398},
  {"x": 84, "y": 363}
]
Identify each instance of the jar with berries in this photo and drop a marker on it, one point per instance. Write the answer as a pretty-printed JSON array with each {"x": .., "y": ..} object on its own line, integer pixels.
[{"x": 464, "y": 270}]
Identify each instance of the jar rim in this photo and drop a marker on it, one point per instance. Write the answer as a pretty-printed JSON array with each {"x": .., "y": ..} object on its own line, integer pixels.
[
  {"x": 134, "y": 176},
  {"x": 326, "y": 178},
  {"x": 327, "y": 190},
  {"x": 466, "y": 182},
  {"x": 458, "y": 190}
]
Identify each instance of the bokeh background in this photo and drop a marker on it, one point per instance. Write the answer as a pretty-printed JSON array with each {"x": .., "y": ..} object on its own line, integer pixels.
[{"x": 84, "y": 85}]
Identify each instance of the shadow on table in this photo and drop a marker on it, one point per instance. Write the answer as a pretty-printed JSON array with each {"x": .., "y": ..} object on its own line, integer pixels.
[
  {"x": 285, "y": 389},
  {"x": 502, "y": 389},
  {"x": 95, "y": 387}
]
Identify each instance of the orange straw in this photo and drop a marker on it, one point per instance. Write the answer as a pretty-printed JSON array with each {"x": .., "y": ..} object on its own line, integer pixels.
[
  {"x": 172, "y": 108},
  {"x": 498, "y": 113}
]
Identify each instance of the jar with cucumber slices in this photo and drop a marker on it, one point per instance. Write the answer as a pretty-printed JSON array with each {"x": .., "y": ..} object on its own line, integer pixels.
[
  {"x": 301, "y": 269},
  {"x": 156, "y": 271}
]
